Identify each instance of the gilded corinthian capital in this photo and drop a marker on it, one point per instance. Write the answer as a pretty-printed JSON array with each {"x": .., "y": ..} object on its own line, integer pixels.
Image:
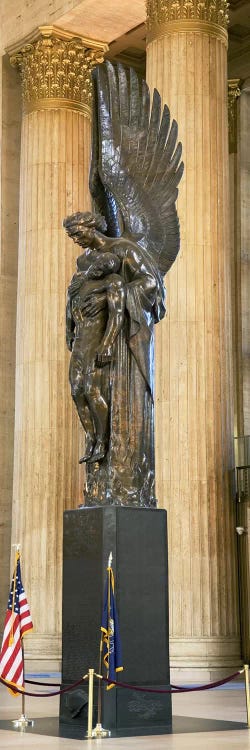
[
  {"x": 167, "y": 16},
  {"x": 55, "y": 68},
  {"x": 233, "y": 93}
]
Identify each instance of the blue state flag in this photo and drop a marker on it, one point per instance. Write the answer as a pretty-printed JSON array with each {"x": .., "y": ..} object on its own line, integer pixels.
[{"x": 111, "y": 642}]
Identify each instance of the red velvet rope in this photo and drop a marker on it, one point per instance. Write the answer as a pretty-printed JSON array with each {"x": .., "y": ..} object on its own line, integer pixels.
[
  {"x": 177, "y": 688},
  {"x": 173, "y": 689},
  {"x": 40, "y": 695}
]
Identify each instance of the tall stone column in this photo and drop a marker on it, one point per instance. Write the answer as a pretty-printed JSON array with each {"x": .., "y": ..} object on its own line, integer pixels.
[
  {"x": 240, "y": 202},
  {"x": 243, "y": 237},
  {"x": 10, "y": 106},
  {"x": 55, "y": 149},
  {"x": 186, "y": 61},
  {"x": 233, "y": 95}
]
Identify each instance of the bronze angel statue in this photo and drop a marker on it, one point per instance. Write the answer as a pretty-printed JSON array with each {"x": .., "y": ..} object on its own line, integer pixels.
[{"x": 117, "y": 294}]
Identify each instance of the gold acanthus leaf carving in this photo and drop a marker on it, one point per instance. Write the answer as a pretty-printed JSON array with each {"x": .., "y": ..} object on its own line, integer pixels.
[
  {"x": 234, "y": 92},
  {"x": 161, "y": 12},
  {"x": 56, "y": 69}
]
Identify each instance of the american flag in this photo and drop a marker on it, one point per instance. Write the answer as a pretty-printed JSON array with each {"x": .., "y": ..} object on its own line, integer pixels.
[{"x": 17, "y": 623}]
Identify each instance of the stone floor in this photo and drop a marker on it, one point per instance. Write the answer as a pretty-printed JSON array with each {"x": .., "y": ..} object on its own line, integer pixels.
[{"x": 205, "y": 721}]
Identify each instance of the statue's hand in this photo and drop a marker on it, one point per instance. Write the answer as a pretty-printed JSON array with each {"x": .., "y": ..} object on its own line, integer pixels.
[
  {"x": 103, "y": 355},
  {"x": 93, "y": 304}
]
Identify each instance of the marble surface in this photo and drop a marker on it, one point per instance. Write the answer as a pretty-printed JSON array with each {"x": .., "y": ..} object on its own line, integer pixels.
[{"x": 207, "y": 719}]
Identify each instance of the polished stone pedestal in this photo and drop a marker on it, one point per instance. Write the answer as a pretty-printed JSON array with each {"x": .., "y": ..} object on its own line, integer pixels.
[{"x": 137, "y": 538}]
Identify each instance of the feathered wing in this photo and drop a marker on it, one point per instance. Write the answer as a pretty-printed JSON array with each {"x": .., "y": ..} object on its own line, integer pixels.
[
  {"x": 104, "y": 200},
  {"x": 136, "y": 164}
]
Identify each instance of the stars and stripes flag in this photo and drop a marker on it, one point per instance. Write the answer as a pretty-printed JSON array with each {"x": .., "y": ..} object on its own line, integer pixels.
[
  {"x": 110, "y": 642},
  {"x": 17, "y": 623}
]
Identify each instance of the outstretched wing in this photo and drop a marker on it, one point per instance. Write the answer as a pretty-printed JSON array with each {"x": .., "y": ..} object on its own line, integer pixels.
[{"x": 136, "y": 163}]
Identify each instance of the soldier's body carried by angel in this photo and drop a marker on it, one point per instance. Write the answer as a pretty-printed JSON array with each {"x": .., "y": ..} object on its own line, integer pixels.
[
  {"x": 97, "y": 299},
  {"x": 117, "y": 294}
]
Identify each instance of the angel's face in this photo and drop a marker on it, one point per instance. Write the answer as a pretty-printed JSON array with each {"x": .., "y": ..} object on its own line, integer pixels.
[
  {"x": 82, "y": 233},
  {"x": 85, "y": 236}
]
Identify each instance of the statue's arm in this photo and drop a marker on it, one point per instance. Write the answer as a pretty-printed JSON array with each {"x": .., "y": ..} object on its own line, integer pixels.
[
  {"x": 140, "y": 273},
  {"x": 70, "y": 326},
  {"x": 94, "y": 302}
]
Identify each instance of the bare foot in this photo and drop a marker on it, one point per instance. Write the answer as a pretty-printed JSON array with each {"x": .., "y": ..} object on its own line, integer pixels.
[
  {"x": 99, "y": 452},
  {"x": 89, "y": 450},
  {"x": 84, "y": 458}
]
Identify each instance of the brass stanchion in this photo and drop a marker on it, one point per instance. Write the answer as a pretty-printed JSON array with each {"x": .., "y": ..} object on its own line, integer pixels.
[
  {"x": 99, "y": 732},
  {"x": 246, "y": 674},
  {"x": 90, "y": 704}
]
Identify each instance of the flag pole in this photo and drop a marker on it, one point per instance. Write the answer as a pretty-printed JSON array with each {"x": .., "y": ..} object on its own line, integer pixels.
[
  {"x": 23, "y": 694},
  {"x": 99, "y": 731},
  {"x": 23, "y": 721}
]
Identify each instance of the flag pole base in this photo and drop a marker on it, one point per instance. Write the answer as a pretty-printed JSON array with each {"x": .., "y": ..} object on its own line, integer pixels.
[
  {"x": 23, "y": 722},
  {"x": 98, "y": 732}
]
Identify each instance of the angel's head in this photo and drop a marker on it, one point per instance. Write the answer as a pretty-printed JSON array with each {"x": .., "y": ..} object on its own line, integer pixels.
[{"x": 82, "y": 227}]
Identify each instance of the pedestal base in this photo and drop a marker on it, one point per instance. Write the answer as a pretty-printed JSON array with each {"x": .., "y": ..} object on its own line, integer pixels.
[{"x": 137, "y": 538}]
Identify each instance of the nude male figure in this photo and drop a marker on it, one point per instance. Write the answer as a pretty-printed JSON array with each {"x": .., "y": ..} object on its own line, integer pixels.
[{"x": 91, "y": 338}]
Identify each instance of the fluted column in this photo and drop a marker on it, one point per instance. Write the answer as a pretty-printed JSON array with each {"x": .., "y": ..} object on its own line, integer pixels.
[
  {"x": 55, "y": 149},
  {"x": 10, "y": 155},
  {"x": 244, "y": 244},
  {"x": 240, "y": 205},
  {"x": 234, "y": 199},
  {"x": 186, "y": 61}
]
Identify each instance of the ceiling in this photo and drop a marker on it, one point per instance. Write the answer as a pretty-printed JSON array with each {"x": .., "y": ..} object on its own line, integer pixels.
[
  {"x": 126, "y": 35},
  {"x": 104, "y": 21},
  {"x": 130, "y": 48},
  {"x": 239, "y": 39},
  {"x": 121, "y": 24}
]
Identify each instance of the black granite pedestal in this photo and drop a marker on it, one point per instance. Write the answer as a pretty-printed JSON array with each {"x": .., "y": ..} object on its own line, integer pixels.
[{"x": 137, "y": 538}]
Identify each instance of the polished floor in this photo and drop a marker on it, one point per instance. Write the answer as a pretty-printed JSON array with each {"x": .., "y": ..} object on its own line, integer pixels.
[{"x": 204, "y": 721}]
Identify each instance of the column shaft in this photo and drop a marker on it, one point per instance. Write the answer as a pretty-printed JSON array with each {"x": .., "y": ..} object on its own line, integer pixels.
[
  {"x": 235, "y": 251},
  {"x": 194, "y": 431},
  {"x": 55, "y": 151},
  {"x": 243, "y": 243},
  {"x": 241, "y": 197},
  {"x": 54, "y": 168},
  {"x": 10, "y": 96}
]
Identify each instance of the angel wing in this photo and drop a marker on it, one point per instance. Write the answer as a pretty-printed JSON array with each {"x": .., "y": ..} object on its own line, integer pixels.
[{"x": 135, "y": 166}]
